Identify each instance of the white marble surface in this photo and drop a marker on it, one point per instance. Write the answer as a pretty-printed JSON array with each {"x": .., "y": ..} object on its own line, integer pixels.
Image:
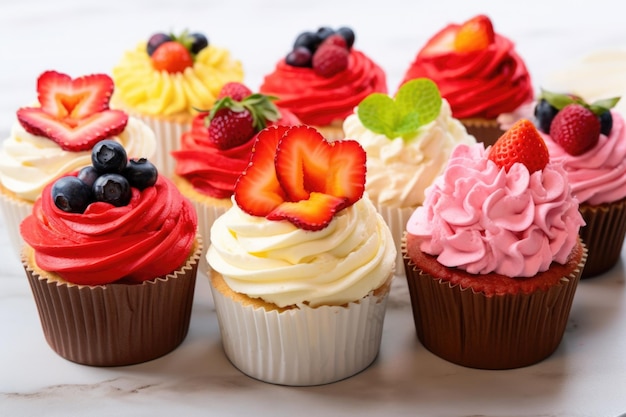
[{"x": 585, "y": 377}]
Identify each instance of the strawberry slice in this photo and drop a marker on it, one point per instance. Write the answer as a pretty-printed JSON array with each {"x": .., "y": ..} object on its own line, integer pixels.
[
  {"x": 62, "y": 97},
  {"x": 81, "y": 135},
  {"x": 315, "y": 213},
  {"x": 307, "y": 163},
  {"x": 521, "y": 143},
  {"x": 475, "y": 34},
  {"x": 257, "y": 191}
]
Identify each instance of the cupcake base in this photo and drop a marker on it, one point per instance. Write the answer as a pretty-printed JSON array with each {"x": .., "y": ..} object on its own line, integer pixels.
[
  {"x": 333, "y": 131},
  {"x": 114, "y": 324},
  {"x": 499, "y": 331},
  {"x": 484, "y": 130},
  {"x": 603, "y": 234},
  {"x": 14, "y": 210},
  {"x": 299, "y": 346}
]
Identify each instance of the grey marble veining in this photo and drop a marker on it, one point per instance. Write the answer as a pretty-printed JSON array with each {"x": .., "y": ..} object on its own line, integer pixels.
[{"x": 585, "y": 377}]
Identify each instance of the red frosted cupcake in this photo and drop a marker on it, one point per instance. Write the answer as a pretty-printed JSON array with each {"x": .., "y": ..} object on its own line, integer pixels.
[
  {"x": 478, "y": 71},
  {"x": 324, "y": 78},
  {"x": 112, "y": 265},
  {"x": 493, "y": 256}
]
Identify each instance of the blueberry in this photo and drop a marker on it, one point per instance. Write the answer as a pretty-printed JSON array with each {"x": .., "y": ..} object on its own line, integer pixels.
[
  {"x": 324, "y": 31},
  {"x": 198, "y": 43},
  {"x": 140, "y": 173},
  {"x": 155, "y": 41},
  {"x": 347, "y": 34},
  {"x": 88, "y": 175},
  {"x": 309, "y": 40},
  {"x": 544, "y": 113},
  {"x": 606, "y": 123},
  {"x": 71, "y": 194},
  {"x": 109, "y": 156},
  {"x": 299, "y": 57},
  {"x": 113, "y": 189}
]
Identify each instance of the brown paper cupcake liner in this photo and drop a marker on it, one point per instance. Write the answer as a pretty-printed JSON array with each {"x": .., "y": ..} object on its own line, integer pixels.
[
  {"x": 115, "y": 324},
  {"x": 484, "y": 130},
  {"x": 498, "y": 332},
  {"x": 603, "y": 234}
]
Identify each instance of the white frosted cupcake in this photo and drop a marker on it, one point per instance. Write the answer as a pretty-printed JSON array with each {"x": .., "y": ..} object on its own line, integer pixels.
[
  {"x": 43, "y": 145},
  {"x": 403, "y": 159},
  {"x": 302, "y": 263}
]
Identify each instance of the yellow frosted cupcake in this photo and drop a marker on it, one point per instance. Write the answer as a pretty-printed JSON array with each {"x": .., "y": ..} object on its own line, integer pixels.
[{"x": 167, "y": 80}]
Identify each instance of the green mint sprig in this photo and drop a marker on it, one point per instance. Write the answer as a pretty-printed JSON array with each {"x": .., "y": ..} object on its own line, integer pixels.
[{"x": 559, "y": 101}]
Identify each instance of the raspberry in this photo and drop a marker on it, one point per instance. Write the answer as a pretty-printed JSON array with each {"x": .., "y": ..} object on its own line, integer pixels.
[{"x": 330, "y": 59}]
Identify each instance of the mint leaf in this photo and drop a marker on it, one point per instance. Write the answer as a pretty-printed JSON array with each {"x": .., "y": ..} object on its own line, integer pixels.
[
  {"x": 407, "y": 124},
  {"x": 600, "y": 106},
  {"x": 377, "y": 112},
  {"x": 558, "y": 100},
  {"x": 419, "y": 96}
]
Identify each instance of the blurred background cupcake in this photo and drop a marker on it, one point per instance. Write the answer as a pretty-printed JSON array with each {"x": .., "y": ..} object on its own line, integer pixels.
[
  {"x": 301, "y": 278},
  {"x": 589, "y": 140},
  {"x": 323, "y": 78},
  {"x": 216, "y": 150},
  {"x": 478, "y": 71},
  {"x": 111, "y": 258},
  {"x": 493, "y": 256},
  {"x": 167, "y": 80},
  {"x": 405, "y": 157},
  {"x": 54, "y": 136}
]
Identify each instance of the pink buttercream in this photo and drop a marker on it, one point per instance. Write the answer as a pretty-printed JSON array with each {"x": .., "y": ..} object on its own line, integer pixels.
[
  {"x": 481, "y": 219},
  {"x": 598, "y": 175}
]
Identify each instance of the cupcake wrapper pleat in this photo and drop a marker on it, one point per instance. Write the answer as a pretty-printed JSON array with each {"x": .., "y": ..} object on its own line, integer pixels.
[{"x": 13, "y": 212}]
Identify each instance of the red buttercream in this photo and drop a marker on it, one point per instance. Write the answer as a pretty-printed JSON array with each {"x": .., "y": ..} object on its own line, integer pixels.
[
  {"x": 318, "y": 100},
  {"x": 150, "y": 237},
  {"x": 482, "y": 84},
  {"x": 210, "y": 170}
]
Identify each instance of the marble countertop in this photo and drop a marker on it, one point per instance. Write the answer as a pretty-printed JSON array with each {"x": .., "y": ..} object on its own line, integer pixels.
[{"x": 586, "y": 376}]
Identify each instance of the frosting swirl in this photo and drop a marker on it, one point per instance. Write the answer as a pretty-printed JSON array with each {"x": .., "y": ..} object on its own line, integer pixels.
[
  {"x": 598, "y": 175},
  {"x": 150, "y": 237},
  {"x": 399, "y": 170},
  {"x": 481, "y": 219},
  {"x": 284, "y": 265},
  {"x": 480, "y": 84},
  {"x": 320, "y": 101},
  {"x": 138, "y": 86},
  {"x": 28, "y": 162}
]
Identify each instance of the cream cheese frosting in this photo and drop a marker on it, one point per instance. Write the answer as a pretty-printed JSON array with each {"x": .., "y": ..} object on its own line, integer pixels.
[
  {"x": 28, "y": 162},
  {"x": 482, "y": 219},
  {"x": 399, "y": 170},
  {"x": 138, "y": 86},
  {"x": 285, "y": 265}
]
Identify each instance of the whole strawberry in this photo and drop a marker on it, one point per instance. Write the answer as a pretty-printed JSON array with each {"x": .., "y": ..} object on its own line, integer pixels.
[
  {"x": 521, "y": 143},
  {"x": 575, "y": 128},
  {"x": 229, "y": 128},
  {"x": 234, "y": 90}
]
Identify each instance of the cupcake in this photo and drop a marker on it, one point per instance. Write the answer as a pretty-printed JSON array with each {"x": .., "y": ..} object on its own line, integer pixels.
[
  {"x": 493, "y": 256},
  {"x": 404, "y": 158},
  {"x": 217, "y": 149},
  {"x": 589, "y": 140},
  {"x": 301, "y": 265},
  {"x": 167, "y": 81},
  {"x": 55, "y": 135},
  {"x": 323, "y": 78},
  {"x": 478, "y": 71},
  {"x": 112, "y": 265}
]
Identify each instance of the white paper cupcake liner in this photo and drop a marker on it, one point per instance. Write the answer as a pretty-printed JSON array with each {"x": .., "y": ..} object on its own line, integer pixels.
[
  {"x": 305, "y": 346},
  {"x": 206, "y": 216},
  {"x": 13, "y": 212},
  {"x": 396, "y": 218}
]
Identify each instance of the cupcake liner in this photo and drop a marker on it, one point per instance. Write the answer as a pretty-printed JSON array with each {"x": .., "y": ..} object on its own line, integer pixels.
[
  {"x": 484, "y": 130},
  {"x": 498, "y": 332},
  {"x": 332, "y": 131},
  {"x": 603, "y": 234},
  {"x": 14, "y": 210},
  {"x": 167, "y": 133},
  {"x": 114, "y": 324},
  {"x": 396, "y": 218},
  {"x": 301, "y": 346}
]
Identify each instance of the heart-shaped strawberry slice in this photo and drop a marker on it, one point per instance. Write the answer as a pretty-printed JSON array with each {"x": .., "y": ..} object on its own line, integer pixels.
[{"x": 63, "y": 97}]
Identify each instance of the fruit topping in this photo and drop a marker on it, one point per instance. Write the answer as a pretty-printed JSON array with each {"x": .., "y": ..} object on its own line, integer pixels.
[
  {"x": 173, "y": 53},
  {"x": 474, "y": 35},
  {"x": 521, "y": 143},
  {"x": 233, "y": 121},
  {"x": 575, "y": 128},
  {"x": 104, "y": 181},
  {"x": 75, "y": 113},
  {"x": 311, "y": 50},
  {"x": 234, "y": 90},
  {"x": 606, "y": 122},
  {"x": 296, "y": 175},
  {"x": 416, "y": 103}
]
